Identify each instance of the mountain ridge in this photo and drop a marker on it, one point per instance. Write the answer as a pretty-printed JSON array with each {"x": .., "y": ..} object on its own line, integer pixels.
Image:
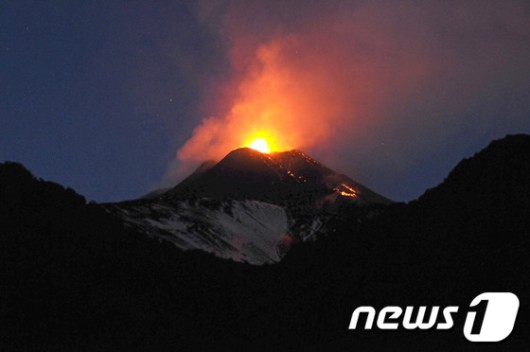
[{"x": 74, "y": 279}]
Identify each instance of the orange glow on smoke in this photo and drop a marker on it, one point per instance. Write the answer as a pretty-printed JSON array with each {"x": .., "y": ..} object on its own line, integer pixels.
[
  {"x": 305, "y": 90},
  {"x": 274, "y": 103}
]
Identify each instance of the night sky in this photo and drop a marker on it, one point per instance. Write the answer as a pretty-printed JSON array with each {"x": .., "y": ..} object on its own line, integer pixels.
[{"x": 116, "y": 98}]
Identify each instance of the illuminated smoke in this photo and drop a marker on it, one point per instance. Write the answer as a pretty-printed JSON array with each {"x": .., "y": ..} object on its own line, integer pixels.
[
  {"x": 344, "y": 77},
  {"x": 305, "y": 88}
]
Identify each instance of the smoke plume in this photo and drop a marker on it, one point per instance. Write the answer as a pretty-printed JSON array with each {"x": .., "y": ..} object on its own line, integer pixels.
[{"x": 374, "y": 86}]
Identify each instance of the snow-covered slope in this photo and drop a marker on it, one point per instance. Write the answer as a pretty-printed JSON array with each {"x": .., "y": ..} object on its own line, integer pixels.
[{"x": 248, "y": 231}]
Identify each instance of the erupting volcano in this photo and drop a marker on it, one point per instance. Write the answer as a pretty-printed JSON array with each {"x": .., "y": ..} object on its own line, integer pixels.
[{"x": 250, "y": 206}]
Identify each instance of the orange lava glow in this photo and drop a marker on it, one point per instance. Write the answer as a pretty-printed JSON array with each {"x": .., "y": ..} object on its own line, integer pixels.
[
  {"x": 261, "y": 145},
  {"x": 350, "y": 192}
]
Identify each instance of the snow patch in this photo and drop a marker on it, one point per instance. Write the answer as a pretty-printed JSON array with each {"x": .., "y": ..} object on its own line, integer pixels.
[{"x": 248, "y": 231}]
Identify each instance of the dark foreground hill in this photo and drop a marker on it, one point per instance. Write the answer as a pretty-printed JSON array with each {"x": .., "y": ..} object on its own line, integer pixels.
[{"x": 73, "y": 279}]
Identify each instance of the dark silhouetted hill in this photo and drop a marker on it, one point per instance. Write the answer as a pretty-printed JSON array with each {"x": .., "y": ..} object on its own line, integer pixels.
[{"x": 73, "y": 279}]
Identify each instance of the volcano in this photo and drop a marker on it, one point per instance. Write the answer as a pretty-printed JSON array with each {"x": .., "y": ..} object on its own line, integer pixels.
[
  {"x": 274, "y": 178},
  {"x": 250, "y": 206}
]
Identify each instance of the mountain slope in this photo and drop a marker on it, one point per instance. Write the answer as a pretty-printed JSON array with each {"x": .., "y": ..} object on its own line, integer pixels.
[
  {"x": 249, "y": 207},
  {"x": 499, "y": 173},
  {"x": 276, "y": 178},
  {"x": 248, "y": 231}
]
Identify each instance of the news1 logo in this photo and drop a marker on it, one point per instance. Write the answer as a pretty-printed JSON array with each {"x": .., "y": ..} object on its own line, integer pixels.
[{"x": 490, "y": 317}]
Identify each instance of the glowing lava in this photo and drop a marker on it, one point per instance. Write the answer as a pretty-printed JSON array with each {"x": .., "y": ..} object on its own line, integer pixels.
[
  {"x": 350, "y": 192},
  {"x": 261, "y": 145}
]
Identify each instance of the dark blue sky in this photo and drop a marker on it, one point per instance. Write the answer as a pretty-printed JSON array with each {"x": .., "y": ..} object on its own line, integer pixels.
[
  {"x": 99, "y": 95},
  {"x": 78, "y": 88}
]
